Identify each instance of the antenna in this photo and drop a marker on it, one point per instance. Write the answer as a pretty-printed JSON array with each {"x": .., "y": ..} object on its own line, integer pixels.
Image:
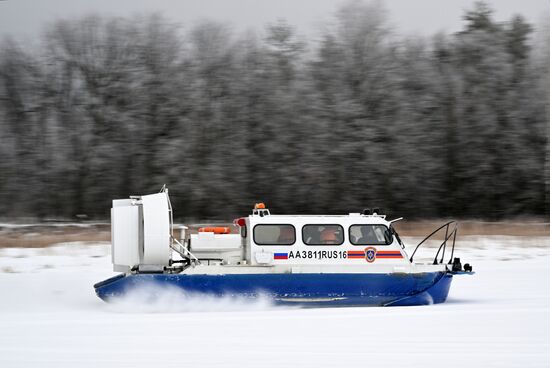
[{"x": 397, "y": 219}]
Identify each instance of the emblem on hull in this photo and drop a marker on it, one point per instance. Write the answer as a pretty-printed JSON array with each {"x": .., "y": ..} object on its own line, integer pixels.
[{"x": 370, "y": 254}]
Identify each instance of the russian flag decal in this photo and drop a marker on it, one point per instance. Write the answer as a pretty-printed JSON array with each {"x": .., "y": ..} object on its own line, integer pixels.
[{"x": 280, "y": 256}]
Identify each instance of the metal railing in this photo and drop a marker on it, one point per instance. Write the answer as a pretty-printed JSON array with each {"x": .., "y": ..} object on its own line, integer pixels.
[{"x": 451, "y": 229}]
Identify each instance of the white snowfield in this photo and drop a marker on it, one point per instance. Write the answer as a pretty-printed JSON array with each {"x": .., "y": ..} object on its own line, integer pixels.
[{"x": 50, "y": 317}]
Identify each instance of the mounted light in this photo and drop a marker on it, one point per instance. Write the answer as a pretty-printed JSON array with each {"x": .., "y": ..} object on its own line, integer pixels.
[
  {"x": 240, "y": 221},
  {"x": 259, "y": 206}
]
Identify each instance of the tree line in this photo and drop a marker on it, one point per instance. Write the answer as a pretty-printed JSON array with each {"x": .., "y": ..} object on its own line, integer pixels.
[{"x": 440, "y": 126}]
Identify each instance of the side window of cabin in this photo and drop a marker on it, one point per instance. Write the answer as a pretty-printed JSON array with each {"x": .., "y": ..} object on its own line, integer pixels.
[
  {"x": 369, "y": 235},
  {"x": 274, "y": 234},
  {"x": 323, "y": 234}
]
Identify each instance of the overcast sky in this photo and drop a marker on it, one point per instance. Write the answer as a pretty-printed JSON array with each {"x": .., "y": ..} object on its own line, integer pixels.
[{"x": 25, "y": 18}]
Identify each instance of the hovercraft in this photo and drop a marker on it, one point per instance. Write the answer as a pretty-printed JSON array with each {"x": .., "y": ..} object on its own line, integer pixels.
[{"x": 307, "y": 260}]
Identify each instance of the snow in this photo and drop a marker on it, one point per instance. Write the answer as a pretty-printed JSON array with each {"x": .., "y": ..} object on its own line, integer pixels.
[{"x": 50, "y": 316}]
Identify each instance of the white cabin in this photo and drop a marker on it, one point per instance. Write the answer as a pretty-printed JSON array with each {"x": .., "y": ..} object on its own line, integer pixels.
[{"x": 321, "y": 240}]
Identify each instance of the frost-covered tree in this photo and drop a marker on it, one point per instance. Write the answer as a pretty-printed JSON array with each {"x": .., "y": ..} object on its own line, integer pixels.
[
  {"x": 24, "y": 132},
  {"x": 500, "y": 120},
  {"x": 355, "y": 80}
]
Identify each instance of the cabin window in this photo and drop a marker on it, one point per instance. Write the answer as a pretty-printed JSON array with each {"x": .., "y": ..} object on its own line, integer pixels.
[
  {"x": 369, "y": 235},
  {"x": 271, "y": 234},
  {"x": 323, "y": 234}
]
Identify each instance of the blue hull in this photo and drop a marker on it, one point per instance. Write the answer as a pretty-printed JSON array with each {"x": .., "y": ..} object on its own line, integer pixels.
[{"x": 327, "y": 289}]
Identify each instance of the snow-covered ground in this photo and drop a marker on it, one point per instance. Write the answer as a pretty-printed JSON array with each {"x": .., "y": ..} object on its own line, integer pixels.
[{"x": 50, "y": 317}]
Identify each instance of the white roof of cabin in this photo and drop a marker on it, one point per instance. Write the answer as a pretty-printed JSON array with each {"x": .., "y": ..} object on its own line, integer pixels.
[{"x": 320, "y": 219}]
